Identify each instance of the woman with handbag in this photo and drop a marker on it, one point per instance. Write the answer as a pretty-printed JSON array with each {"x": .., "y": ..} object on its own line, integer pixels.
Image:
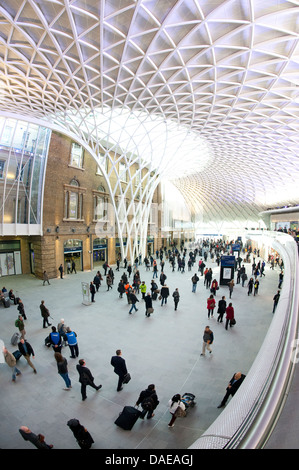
[
  {"x": 148, "y": 305},
  {"x": 230, "y": 316},
  {"x": 81, "y": 434},
  {"x": 211, "y": 304},
  {"x": 176, "y": 409}
]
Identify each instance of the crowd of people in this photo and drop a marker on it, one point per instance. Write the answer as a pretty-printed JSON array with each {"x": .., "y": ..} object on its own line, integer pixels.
[{"x": 152, "y": 292}]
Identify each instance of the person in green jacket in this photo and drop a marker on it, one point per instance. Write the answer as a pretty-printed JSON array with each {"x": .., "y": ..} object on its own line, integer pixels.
[
  {"x": 19, "y": 323},
  {"x": 143, "y": 289}
]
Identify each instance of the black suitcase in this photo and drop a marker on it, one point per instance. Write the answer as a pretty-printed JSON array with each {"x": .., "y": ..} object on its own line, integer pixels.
[
  {"x": 127, "y": 418},
  {"x": 6, "y": 302}
]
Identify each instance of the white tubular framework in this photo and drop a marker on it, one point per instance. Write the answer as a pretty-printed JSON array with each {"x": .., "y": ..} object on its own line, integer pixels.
[{"x": 207, "y": 91}]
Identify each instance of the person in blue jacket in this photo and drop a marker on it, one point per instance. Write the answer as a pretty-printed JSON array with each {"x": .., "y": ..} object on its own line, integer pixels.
[
  {"x": 71, "y": 338},
  {"x": 55, "y": 340}
]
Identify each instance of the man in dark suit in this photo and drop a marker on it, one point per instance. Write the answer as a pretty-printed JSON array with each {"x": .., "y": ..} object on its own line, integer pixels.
[
  {"x": 120, "y": 368},
  {"x": 232, "y": 387},
  {"x": 85, "y": 378}
]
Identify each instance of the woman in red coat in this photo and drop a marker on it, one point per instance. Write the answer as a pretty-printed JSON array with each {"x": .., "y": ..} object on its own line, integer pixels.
[
  {"x": 211, "y": 305},
  {"x": 230, "y": 315},
  {"x": 214, "y": 287}
]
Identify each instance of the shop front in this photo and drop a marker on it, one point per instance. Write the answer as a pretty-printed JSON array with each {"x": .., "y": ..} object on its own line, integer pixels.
[
  {"x": 118, "y": 247},
  {"x": 100, "y": 252},
  {"x": 10, "y": 258},
  {"x": 150, "y": 245},
  {"x": 73, "y": 253}
]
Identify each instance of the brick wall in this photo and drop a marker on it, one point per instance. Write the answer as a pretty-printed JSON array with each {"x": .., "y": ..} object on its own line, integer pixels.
[{"x": 50, "y": 252}]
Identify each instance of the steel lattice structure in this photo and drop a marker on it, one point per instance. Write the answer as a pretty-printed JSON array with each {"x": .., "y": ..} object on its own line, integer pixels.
[{"x": 203, "y": 93}]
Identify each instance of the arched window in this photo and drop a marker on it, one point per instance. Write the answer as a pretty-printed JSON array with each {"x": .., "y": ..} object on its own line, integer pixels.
[
  {"x": 100, "y": 209},
  {"x": 75, "y": 182},
  {"x": 101, "y": 189},
  {"x": 73, "y": 206}
]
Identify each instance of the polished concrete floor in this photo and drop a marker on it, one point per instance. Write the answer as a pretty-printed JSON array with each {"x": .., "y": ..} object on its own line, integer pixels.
[{"x": 163, "y": 349}]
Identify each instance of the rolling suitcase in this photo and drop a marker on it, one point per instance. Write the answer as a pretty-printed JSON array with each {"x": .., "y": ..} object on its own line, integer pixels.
[
  {"x": 15, "y": 338},
  {"x": 6, "y": 302},
  {"x": 127, "y": 418}
]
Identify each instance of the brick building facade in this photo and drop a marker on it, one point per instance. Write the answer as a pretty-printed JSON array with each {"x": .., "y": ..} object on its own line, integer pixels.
[{"x": 71, "y": 231}]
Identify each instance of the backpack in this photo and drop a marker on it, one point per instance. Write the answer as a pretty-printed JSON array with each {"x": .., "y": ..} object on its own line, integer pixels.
[
  {"x": 176, "y": 295},
  {"x": 147, "y": 404}
]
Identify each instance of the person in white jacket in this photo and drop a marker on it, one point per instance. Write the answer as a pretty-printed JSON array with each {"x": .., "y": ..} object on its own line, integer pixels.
[{"x": 176, "y": 406}]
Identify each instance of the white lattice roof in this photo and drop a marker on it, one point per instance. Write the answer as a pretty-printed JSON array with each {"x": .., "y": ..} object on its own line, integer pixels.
[{"x": 209, "y": 88}]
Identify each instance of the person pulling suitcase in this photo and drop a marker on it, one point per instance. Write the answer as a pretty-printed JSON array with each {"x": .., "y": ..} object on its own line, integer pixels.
[{"x": 148, "y": 400}]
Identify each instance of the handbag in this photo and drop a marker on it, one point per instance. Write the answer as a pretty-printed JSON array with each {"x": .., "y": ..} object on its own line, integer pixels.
[
  {"x": 232, "y": 321},
  {"x": 150, "y": 310},
  {"x": 179, "y": 412},
  {"x": 127, "y": 378}
]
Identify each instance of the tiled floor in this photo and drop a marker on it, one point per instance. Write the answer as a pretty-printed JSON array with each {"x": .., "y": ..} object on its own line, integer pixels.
[{"x": 163, "y": 349}]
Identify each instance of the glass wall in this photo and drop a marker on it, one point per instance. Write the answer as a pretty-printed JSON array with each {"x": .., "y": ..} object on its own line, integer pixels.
[
  {"x": 10, "y": 258},
  {"x": 23, "y": 152}
]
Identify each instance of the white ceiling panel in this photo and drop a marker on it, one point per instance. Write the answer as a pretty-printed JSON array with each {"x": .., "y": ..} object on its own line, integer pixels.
[{"x": 219, "y": 79}]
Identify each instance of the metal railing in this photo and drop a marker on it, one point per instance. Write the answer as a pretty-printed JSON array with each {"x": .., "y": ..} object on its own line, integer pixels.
[{"x": 248, "y": 419}]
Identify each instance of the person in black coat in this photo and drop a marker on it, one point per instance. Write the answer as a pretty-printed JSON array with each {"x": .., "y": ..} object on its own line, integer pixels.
[
  {"x": 121, "y": 288},
  {"x": 232, "y": 387},
  {"x": 250, "y": 286},
  {"x": 164, "y": 294},
  {"x": 81, "y": 434},
  {"x": 129, "y": 269},
  {"x": 176, "y": 298},
  {"x": 133, "y": 300},
  {"x": 162, "y": 278},
  {"x": 12, "y": 296},
  {"x": 85, "y": 378},
  {"x": 221, "y": 309},
  {"x": 92, "y": 290},
  {"x": 97, "y": 281},
  {"x": 149, "y": 401},
  {"x": 120, "y": 368},
  {"x": 148, "y": 304},
  {"x": 21, "y": 309},
  {"x": 276, "y": 300},
  {"x": 37, "y": 440},
  {"x": 154, "y": 289},
  {"x": 45, "y": 314},
  {"x": 26, "y": 350}
]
